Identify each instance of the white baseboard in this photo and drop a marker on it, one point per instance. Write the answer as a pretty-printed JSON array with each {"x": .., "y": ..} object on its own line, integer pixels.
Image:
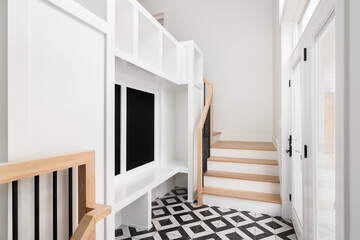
[
  {"x": 118, "y": 220},
  {"x": 195, "y": 196},
  {"x": 297, "y": 225},
  {"x": 271, "y": 209}
]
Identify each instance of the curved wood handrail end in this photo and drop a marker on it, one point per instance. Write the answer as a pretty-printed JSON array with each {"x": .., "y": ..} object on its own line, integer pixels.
[
  {"x": 207, "y": 82},
  {"x": 85, "y": 228},
  {"x": 98, "y": 211},
  {"x": 95, "y": 213}
]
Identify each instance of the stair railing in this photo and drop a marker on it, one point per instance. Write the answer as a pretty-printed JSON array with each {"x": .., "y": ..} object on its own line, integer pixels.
[
  {"x": 204, "y": 140},
  {"x": 89, "y": 212}
]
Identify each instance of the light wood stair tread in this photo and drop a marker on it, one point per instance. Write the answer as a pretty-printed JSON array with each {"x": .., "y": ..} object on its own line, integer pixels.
[
  {"x": 243, "y": 176},
  {"x": 242, "y": 145},
  {"x": 255, "y": 196},
  {"x": 216, "y": 133},
  {"x": 243, "y": 160}
]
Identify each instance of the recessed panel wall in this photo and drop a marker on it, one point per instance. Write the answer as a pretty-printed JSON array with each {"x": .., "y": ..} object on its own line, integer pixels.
[
  {"x": 140, "y": 128},
  {"x": 62, "y": 111},
  {"x": 97, "y": 7}
]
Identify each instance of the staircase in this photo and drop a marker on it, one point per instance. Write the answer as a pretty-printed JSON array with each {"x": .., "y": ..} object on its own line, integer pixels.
[
  {"x": 235, "y": 174},
  {"x": 243, "y": 175}
]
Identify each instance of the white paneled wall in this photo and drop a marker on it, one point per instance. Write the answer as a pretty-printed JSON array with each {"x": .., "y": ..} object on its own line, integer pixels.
[
  {"x": 62, "y": 105},
  {"x": 97, "y": 7},
  {"x": 61, "y": 68}
]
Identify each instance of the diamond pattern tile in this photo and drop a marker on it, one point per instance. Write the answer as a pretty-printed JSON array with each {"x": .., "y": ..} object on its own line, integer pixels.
[{"x": 174, "y": 218}]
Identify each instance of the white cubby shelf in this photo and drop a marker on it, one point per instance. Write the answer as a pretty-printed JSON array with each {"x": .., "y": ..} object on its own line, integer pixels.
[
  {"x": 176, "y": 79},
  {"x": 141, "y": 40},
  {"x": 133, "y": 186}
]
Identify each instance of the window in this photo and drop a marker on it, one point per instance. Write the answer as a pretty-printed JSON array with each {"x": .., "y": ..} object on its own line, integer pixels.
[
  {"x": 281, "y": 7},
  {"x": 308, "y": 13},
  {"x": 325, "y": 131}
]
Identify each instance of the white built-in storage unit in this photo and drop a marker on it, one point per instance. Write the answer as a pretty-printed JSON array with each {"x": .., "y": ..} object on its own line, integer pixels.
[
  {"x": 72, "y": 101},
  {"x": 144, "y": 42},
  {"x": 150, "y": 59}
]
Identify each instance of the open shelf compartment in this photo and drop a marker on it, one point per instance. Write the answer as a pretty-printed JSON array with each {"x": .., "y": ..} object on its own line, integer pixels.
[
  {"x": 149, "y": 42},
  {"x": 170, "y": 56},
  {"x": 124, "y": 26}
]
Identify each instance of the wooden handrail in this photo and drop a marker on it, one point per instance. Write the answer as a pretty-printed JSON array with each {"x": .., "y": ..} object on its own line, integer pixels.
[
  {"x": 14, "y": 171},
  {"x": 208, "y": 106},
  {"x": 88, "y": 222},
  {"x": 89, "y": 212}
]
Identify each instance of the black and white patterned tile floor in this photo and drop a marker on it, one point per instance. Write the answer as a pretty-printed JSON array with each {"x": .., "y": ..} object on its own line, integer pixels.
[{"x": 174, "y": 218}]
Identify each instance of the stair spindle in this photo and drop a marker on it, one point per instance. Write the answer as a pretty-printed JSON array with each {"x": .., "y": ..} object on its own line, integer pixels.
[
  {"x": 15, "y": 210},
  {"x": 70, "y": 203},
  {"x": 37, "y": 209},
  {"x": 54, "y": 205}
]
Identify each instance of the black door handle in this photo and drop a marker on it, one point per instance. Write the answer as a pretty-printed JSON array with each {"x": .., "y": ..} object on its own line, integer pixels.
[{"x": 289, "y": 151}]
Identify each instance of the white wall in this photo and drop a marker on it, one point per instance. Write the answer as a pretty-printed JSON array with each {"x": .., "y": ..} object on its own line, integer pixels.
[
  {"x": 56, "y": 102},
  {"x": 98, "y": 7},
  {"x": 352, "y": 120},
  {"x": 236, "y": 38},
  {"x": 276, "y": 74},
  {"x": 3, "y": 114}
]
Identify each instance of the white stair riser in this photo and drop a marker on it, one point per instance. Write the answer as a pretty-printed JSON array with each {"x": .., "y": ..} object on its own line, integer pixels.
[
  {"x": 271, "y": 209},
  {"x": 216, "y": 138},
  {"x": 235, "y": 153},
  {"x": 245, "y": 185},
  {"x": 244, "y": 168}
]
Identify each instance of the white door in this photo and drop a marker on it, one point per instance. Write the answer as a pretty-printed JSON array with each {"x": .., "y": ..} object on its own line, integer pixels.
[
  {"x": 297, "y": 103},
  {"x": 324, "y": 125},
  {"x": 313, "y": 125}
]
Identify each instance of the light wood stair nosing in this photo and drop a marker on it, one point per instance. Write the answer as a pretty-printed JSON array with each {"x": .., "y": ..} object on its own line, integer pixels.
[
  {"x": 245, "y": 145},
  {"x": 243, "y": 176},
  {"x": 244, "y": 160},
  {"x": 247, "y": 195}
]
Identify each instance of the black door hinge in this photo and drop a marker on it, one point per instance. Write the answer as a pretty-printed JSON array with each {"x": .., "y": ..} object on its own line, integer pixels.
[
  {"x": 290, "y": 197},
  {"x": 305, "y": 151},
  {"x": 305, "y": 54},
  {"x": 289, "y": 83}
]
